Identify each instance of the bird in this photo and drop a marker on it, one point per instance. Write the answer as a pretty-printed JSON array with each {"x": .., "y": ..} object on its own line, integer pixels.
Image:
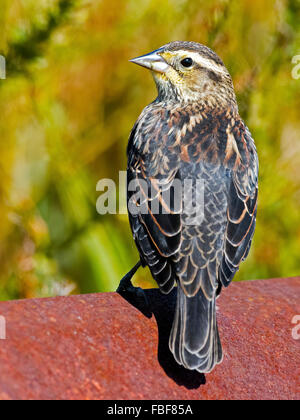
[{"x": 191, "y": 134}]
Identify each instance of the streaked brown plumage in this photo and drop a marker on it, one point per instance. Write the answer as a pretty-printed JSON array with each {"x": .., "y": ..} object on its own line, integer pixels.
[{"x": 193, "y": 131}]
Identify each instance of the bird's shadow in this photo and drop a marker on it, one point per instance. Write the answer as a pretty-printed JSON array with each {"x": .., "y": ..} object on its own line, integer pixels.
[{"x": 163, "y": 308}]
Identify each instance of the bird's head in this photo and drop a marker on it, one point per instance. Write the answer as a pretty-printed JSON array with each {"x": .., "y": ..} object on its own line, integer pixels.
[{"x": 189, "y": 72}]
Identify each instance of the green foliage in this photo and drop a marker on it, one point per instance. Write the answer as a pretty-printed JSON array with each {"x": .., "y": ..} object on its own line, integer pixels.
[
  {"x": 67, "y": 107},
  {"x": 29, "y": 45}
]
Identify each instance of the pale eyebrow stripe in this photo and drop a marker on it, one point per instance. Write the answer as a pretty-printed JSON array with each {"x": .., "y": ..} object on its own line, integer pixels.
[{"x": 205, "y": 62}]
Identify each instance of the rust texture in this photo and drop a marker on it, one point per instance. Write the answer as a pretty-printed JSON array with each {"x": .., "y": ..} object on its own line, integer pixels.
[{"x": 101, "y": 347}]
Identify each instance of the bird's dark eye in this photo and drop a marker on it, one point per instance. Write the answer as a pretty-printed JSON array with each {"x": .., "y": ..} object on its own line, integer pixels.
[{"x": 187, "y": 62}]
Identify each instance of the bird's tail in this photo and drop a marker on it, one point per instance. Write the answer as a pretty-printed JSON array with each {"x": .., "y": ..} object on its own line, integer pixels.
[{"x": 194, "y": 339}]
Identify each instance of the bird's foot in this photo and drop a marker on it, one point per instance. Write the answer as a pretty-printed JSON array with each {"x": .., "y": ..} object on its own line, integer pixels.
[
  {"x": 134, "y": 294},
  {"x": 127, "y": 289}
]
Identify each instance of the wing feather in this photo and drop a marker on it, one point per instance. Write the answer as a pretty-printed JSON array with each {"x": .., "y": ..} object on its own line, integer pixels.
[{"x": 241, "y": 212}]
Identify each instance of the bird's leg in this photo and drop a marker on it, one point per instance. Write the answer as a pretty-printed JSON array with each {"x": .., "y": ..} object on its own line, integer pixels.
[{"x": 126, "y": 286}]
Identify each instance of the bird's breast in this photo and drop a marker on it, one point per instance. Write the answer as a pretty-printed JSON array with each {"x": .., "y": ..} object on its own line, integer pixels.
[{"x": 166, "y": 137}]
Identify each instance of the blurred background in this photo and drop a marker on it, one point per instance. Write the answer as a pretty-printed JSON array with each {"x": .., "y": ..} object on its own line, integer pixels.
[{"x": 70, "y": 100}]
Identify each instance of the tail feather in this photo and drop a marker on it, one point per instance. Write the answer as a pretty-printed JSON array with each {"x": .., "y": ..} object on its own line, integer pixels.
[{"x": 194, "y": 339}]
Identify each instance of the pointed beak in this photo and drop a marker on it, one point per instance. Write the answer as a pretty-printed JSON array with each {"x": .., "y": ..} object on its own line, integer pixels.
[{"x": 153, "y": 61}]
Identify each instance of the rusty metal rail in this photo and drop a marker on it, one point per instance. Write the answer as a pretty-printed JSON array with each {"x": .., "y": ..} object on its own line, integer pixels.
[{"x": 101, "y": 347}]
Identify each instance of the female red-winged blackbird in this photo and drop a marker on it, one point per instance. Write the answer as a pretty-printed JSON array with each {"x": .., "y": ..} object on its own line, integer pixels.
[{"x": 192, "y": 133}]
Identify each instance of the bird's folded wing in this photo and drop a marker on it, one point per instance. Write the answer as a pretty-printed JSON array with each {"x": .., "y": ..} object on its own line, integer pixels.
[
  {"x": 154, "y": 213},
  {"x": 241, "y": 214}
]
